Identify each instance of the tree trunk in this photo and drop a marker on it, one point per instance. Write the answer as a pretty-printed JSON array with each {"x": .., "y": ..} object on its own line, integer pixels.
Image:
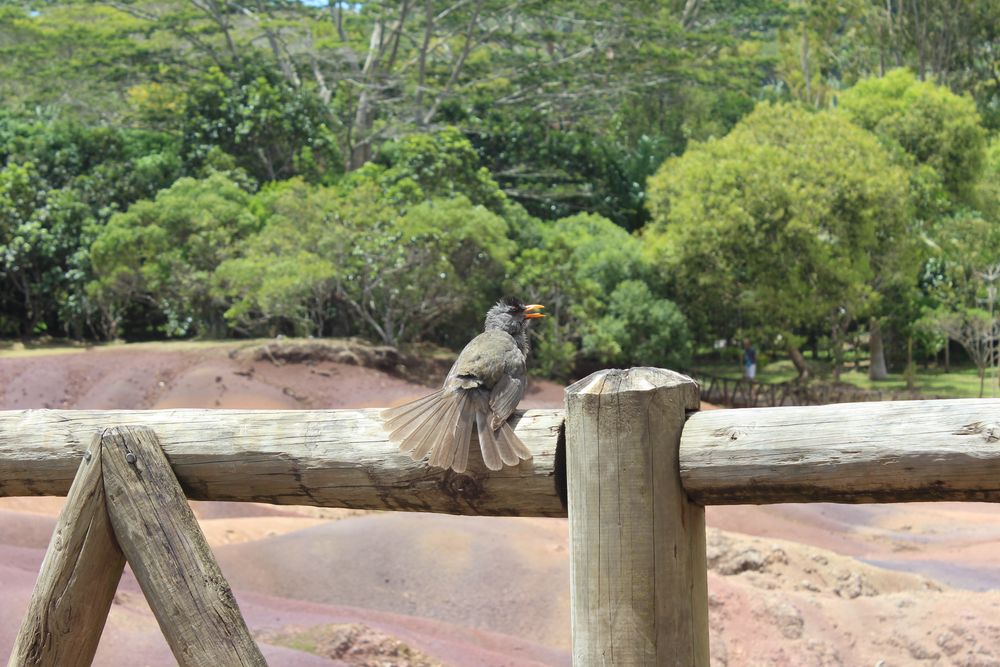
[
  {"x": 806, "y": 78},
  {"x": 910, "y": 371},
  {"x": 800, "y": 362},
  {"x": 876, "y": 366},
  {"x": 364, "y": 115},
  {"x": 947, "y": 356}
]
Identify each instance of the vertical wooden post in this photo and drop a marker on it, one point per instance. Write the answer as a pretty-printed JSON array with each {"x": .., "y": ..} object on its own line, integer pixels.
[
  {"x": 78, "y": 578},
  {"x": 638, "y": 572},
  {"x": 169, "y": 555}
]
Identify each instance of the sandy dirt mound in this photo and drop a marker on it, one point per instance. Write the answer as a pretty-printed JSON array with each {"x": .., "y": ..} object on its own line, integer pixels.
[
  {"x": 825, "y": 585},
  {"x": 783, "y": 604},
  {"x": 955, "y": 543},
  {"x": 354, "y": 644}
]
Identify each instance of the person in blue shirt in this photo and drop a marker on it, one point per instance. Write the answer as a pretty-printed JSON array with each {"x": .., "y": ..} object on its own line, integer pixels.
[{"x": 749, "y": 360}]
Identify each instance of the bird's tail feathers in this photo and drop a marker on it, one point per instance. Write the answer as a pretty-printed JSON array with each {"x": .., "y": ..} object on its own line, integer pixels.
[
  {"x": 439, "y": 427},
  {"x": 403, "y": 414},
  {"x": 487, "y": 441},
  {"x": 515, "y": 446},
  {"x": 426, "y": 427},
  {"x": 445, "y": 452},
  {"x": 500, "y": 446},
  {"x": 403, "y": 428},
  {"x": 463, "y": 436}
]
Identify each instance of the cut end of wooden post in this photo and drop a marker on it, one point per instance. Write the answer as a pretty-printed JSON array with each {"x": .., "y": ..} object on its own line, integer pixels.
[{"x": 643, "y": 378}]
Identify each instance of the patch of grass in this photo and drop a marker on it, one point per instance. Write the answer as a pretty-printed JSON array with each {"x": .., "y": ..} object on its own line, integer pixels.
[
  {"x": 17, "y": 348},
  {"x": 776, "y": 371},
  {"x": 958, "y": 383}
]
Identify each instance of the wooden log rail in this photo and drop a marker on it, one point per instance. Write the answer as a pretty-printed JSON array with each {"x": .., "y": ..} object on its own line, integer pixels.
[
  {"x": 327, "y": 458},
  {"x": 641, "y": 465}
]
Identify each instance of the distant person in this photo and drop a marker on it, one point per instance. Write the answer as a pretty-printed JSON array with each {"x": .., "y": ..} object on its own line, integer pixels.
[{"x": 749, "y": 360}]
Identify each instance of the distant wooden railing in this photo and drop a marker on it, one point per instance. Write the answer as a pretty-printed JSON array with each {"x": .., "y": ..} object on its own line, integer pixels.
[
  {"x": 743, "y": 393},
  {"x": 641, "y": 466}
]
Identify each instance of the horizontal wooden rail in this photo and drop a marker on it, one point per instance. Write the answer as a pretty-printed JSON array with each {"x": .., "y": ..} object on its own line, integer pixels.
[
  {"x": 846, "y": 453},
  {"x": 331, "y": 458}
]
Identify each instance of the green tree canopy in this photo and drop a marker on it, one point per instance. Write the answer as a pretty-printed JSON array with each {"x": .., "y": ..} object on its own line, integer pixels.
[
  {"x": 40, "y": 230},
  {"x": 779, "y": 226},
  {"x": 430, "y": 165},
  {"x": 927, "y": 122},
  {"x": 583, "y": 268},
  {"x": 273, "y": 129},
  {"x": 162, "y": 253},
  {"x": 344, "y": 259}
]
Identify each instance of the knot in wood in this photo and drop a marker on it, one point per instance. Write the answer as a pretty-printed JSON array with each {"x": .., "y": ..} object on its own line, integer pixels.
[
  {"x": 461, "y": 486},
  {"x": 990, "y": 431},
  {"x": 732, "y": 432}
]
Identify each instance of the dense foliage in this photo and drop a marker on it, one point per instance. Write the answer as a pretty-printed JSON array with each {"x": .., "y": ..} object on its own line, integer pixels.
[
  {"x": 778, "y": 227},
  {"x": 659, "y": 174}
]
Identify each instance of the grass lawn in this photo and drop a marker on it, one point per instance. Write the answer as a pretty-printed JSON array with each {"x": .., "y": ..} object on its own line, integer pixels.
[{"x": 959, "y": 383}]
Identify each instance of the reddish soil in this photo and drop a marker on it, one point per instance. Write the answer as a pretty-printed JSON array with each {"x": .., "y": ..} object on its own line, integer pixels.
[{"x": 824, "y": 585}]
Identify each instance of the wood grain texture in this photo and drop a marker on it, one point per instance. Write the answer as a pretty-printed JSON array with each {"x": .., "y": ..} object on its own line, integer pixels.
[
  {"x": 845, "y": 453},
  {"x": 169, "y": 555},
  {"x": 639, "y": 584},
  {"x": 329, "y": 458},
  {"x": 77, "y": 580}
]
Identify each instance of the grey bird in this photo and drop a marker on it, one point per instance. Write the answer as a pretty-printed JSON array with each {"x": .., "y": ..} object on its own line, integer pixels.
[{"x": 483, "y": 387}]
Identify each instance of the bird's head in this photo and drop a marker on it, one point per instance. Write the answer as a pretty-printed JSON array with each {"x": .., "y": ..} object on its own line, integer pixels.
[{"x": 511, "y": 315}]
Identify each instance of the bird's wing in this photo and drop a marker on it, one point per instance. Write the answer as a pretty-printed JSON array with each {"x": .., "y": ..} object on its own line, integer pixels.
[{"x": 504, "y": 397}]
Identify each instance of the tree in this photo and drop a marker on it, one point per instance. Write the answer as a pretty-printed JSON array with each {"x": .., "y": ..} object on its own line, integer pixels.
[
  {"x": 39, "y": 232},
  {"x": 72, "y": 59},
  {"x": 639, "y": 328},
  {"x": 786, "y": 188},
  {"x": 937, "y": 136},
  {"x": 582, "y": 268},
  {"x": 431, "y": 165},
  {"x": 272, "y": 129},
  {"x": 405, "y": 276},
  {"x": 975, "y": 329},
  {"x": 926, "y": 122},
  {"x": 163, "y": 252},
  {"x": 281, "y": 277},
  {"x": 355, "y": 258},
  {"x": 79, "y": 177}
]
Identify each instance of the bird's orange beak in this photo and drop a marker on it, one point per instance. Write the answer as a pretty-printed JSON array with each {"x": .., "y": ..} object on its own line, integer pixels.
[{"x": 528, "y": 315}]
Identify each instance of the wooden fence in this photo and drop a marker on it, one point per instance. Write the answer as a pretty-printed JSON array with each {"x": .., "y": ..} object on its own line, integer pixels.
[
  {"x": 641, "y": 466},
  {"x": 744, "y": 393}
]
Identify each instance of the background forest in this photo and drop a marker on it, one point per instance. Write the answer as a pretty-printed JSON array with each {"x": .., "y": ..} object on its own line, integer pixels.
[{"x": 661, "y": 175}]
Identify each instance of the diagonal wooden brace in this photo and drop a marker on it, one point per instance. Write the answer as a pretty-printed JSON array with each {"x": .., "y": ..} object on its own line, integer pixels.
[
  {"x": 169, "y": 555},
  {"x": 125, "y": 502},
  {"x": 78, "y": 578}
]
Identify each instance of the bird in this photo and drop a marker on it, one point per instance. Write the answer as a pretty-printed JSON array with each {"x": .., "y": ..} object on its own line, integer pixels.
[{"x": 483, "y": 387}]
